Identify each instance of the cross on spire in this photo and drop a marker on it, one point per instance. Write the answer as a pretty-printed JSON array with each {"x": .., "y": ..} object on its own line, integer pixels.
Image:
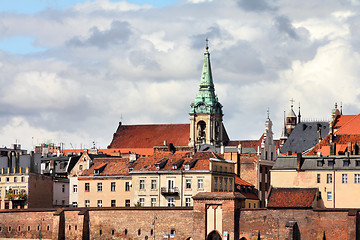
[
  {"x": 292, "y": 102},
  {"x": 268, "y": 113},
  {"x": 207, "y": 44}
]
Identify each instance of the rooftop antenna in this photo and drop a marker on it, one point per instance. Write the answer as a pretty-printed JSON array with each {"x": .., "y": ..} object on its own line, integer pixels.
[{"x": 299, "y": 115}]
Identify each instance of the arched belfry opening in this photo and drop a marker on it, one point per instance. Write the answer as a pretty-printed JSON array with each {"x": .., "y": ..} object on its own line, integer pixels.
[
  {"x": 214, "y": 235},
  {"x": 206, "y": 115},
  {"x": 201, "y": 128}
]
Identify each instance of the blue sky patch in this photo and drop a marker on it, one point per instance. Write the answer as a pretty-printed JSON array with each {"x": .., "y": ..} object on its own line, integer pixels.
[{"x": 19, "y": 45}]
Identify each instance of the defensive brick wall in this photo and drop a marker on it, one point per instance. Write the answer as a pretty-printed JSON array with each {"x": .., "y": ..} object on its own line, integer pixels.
[
  {"x": 137, "y": 223},
  {"x": 299, "y": 224},
  {"x": 27, "y": 224}
]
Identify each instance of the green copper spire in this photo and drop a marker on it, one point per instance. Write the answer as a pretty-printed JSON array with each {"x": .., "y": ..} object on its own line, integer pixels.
[{"x": 206, "y": 101}]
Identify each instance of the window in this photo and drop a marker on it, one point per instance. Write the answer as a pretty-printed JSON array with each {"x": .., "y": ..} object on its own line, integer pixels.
[
  {"x": 225, "y": 184},
  {"x": 344, "y": 178},
  {"x": 329, "y": 196},
  {"x": 7, "y": 179},
  {"x": 127, "y": 203},
  {"x": 331, "y": 163},
  {"x": 170, "y": 201},
  {"x": 220, "y": 184},
  {"x": 254, "y": 205},
  {"x": 142, "y": 201},
  {"x": 188, "y": 183},
  {"x": 318, "y": 178},
  {"x": 356, "y": 178},
  {"x": 153, "y": 202},
  {"x": 249, "y": 205},
  {"x": 153, "y": 184},
  {"x": 99, "y": 203},
  {"x": 63, "y": 202},
  {"x": 63, "y": 188},
  {"x": 113, "y": 186},
  {"x": 200, "y": 184},
  {"x": 113, "y": 203},
  {"x": 329, "y": 178},
  {"x": 75, "y": 188},
  {"x": 142, "y": 184},
  {"x": 15, "y": 179},
  {"x": 74, "y": 204},
  {"x": 99, "y": 187},
  {"x": 320, "y": 163},
  {"x": 346, "y": 163},
  {"x": 187, "y": 202},
  {"x": 80, "y": 167},
  {"x": 87, "y": 187},
  {"x": 215, "y": 184},
  {"x": 357, "y": 163},
  {"x": 127, "y": 186},
  {"x": 87, "y": 203}
]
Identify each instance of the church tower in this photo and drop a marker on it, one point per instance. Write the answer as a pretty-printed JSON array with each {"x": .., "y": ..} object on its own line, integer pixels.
[
  {"x": 291, "y": 119},
  {"x": 206, "y": 116}
]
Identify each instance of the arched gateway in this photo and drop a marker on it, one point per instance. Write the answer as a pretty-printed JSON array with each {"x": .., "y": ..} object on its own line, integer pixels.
[{"x": 214, "y": 235}]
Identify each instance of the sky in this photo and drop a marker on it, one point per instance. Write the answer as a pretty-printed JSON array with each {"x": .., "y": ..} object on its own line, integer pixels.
[{"x": 70, "y": 71}]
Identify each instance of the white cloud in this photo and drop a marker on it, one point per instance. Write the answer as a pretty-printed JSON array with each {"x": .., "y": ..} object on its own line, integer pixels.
[{"x": 108, "y": 59}]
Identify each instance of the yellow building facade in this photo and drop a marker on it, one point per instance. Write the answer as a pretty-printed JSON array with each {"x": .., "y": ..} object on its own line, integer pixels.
[{"x": 336, "y": 177}]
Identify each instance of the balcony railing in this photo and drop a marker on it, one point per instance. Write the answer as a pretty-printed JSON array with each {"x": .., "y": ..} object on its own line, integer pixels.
[{"x": 170, "y": 191}]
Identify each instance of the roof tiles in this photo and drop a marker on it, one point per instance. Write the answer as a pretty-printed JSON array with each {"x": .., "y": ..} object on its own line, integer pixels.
[
  {"x": 148, "y": 136},
  {"x": 291, "y": 197}
]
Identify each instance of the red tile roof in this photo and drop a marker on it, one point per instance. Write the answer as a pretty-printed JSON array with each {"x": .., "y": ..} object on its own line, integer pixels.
[
  {"x": 347, "y": 130},
  {"x": 291, "y": 197},
  {"x": 250, "y": 195},
  {"x": 239, "y": 181},
  {"x": 148, "y": 136},
  {"x": 197, "y": 161},
  {"x": 350, "y": 127},
  {"x": 113, "y": 167},
  {"x": 343, "y": 119}
]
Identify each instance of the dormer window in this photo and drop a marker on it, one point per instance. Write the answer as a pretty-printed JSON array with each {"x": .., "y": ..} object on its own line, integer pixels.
[
  {"x": 130, "y": 169},
  {"x": 320, "y": 163},
  {"x": 157, "y": 166},
  {"x": 187, "y": 167},
  {"x": 174, "y": 166},
  {"x": 96, "y": 172}
]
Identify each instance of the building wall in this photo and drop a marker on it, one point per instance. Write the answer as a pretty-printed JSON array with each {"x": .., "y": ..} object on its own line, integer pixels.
[
  {"x": 20, "y": 184},
  {"x": 61, "y": 193},
  {"x": 40, "y": 192},
  {"x": 180, "y": 180},
  {"x": 344, "y": 195},
  {"x": 106, "y": 195},
  {"x": 73, "y": 196}
]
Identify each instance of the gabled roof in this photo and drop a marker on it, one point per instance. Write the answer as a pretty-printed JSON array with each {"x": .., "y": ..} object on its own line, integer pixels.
[
  {"x": 350, "y": 127},
  {"x": 166, "y": 161},
  {"x": 291, "y": 197},
  {"x": 111, "y": 167},
  {"x": 148, "y": 136}
]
